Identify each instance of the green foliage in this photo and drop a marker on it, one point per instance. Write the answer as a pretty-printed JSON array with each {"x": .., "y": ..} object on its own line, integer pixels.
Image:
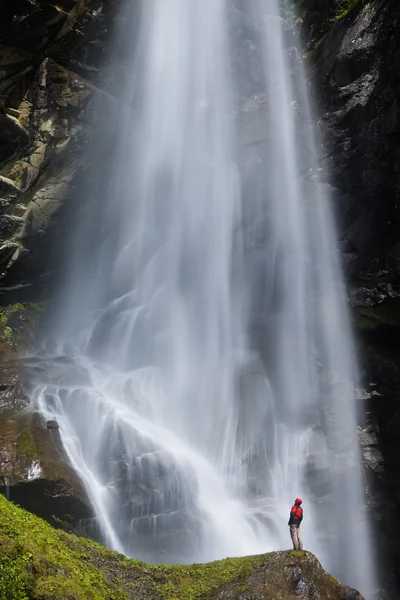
[
  {"x": 58, "y": 561},
  {"x": 5, "y": 314},
  {"x": 198, "y": 581},
  {"x": 12, "y": 585},
  {"x": 343, "y": 7},
  {"x": 8, "y": 331}
]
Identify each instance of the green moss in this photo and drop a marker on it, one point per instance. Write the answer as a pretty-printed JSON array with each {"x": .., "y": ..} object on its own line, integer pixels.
[
  {"x": 38, "y": 562},
  {"x": 298, "y": 553},
  {"x": 13, "y": 578},
  {"x": 6, "y": 331},
  {"x": 28, "y": 544},
  {"x": 343, "y": 8},
  {"x": 198, "y": 581}
]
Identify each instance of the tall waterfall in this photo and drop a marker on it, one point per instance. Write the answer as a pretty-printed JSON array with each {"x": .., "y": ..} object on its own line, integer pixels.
[{"x": 199, "y": 361}]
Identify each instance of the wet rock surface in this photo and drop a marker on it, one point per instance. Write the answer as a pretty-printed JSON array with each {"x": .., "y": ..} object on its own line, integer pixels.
[
  {"x": 49, "y": 59},
  {"x": 34, "y": 470},
  {"x": 353, "y": 51}
]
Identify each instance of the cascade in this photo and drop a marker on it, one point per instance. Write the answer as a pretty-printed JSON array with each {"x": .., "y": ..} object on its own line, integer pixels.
[{"x": 199, "y": 359}]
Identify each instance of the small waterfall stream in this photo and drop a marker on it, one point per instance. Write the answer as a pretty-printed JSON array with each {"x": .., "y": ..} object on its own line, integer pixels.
[{"x": 200, "y": 362}]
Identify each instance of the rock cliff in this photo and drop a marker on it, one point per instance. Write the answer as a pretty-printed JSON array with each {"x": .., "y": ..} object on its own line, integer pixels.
[
  {"x": 41, "y": 563},
  {"x": 353, "y": 57},
  {"x": 49, "y": 81}
]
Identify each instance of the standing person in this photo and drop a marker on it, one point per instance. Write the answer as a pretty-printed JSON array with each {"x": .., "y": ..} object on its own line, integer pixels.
[{"x": 296, "y": 517}]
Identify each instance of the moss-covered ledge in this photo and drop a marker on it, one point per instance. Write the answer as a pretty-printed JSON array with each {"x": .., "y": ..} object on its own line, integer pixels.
[{"x": 38, "y": 562}]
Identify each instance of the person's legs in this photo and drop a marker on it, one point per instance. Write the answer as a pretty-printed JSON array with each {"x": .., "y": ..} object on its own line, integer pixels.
[
  {"x": 293, "y": 535},
  {"x": 299, "y": 539}
]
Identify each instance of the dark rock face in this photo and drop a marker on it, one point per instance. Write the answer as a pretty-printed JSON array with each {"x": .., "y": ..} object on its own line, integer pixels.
[
  {"x": 354, "y": 68},
  {"x": 49, "y": 58},
  {"x": 34, "y": 470}
]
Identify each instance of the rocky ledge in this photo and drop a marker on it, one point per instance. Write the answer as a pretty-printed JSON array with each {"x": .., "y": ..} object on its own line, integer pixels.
[{"x": 41, "y": 563}]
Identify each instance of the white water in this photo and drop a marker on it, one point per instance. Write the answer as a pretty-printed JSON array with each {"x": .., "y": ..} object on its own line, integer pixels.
[{"x": 200, "y": 363}]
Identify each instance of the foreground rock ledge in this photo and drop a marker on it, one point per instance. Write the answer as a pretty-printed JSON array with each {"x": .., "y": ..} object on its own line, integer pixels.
[{"x": 38, "y": 562}]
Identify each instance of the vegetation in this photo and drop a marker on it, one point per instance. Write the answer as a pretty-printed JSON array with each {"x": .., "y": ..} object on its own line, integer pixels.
[
  {"x": 5, "y": 314},
  {"x": 343, "y": 7},
  {"x": 38, "y": 562},
  {"x": 18, "y": 319}
]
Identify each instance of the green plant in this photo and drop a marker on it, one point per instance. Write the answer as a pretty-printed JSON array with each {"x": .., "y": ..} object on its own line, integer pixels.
[
  {"x": 12, "y": 585},
  {"x": 5, "y": 314},
  {"x": 343, "y": 7}
]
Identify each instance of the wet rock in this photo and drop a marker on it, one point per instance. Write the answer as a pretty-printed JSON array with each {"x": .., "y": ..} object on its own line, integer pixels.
[
  {"x": 353, "y": 57},
  {"x": 43, "y": 124},
  {"x": 373, "y": 459},
  {"x": 369, "y": 437},
  {"x": 9, "y": 224},
  {"x": 34, "y": 470},
  {"x": 8, "y": 187},
  {"x": 33, "y": 31},
  {"x": 13, "y": 137},
  {"x": 52, "y": 425},
  {"x": 53, "y": 113}
]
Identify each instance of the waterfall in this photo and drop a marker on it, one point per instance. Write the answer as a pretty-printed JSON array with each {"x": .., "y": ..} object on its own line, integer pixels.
[{"x": 199, "y": 359}]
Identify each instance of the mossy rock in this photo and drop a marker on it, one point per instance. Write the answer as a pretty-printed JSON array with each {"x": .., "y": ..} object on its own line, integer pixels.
[
  {"x": 34, "y": 469},
  {"x": 38, "y": 562}
]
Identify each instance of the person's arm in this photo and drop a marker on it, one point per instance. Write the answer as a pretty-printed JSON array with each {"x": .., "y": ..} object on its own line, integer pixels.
[{"x": 290, "y": 518}]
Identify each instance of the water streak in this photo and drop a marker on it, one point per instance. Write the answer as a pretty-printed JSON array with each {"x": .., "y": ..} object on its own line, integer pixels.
[{"x": 199, "y": 361}]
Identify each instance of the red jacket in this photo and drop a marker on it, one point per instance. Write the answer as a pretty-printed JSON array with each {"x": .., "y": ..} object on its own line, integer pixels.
[{"x": 296, "y": 515}]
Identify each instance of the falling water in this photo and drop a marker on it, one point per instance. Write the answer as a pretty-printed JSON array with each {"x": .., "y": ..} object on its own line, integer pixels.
[{"x": 199, "y": 362}]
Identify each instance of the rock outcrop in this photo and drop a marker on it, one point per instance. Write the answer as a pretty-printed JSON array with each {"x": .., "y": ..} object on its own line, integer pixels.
[
  {"x": 45, "y": 92},
  {"x": 41, "y": 563},
  {"x": 34, "y": 470},
  {"x": 353, "y": 57}
]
